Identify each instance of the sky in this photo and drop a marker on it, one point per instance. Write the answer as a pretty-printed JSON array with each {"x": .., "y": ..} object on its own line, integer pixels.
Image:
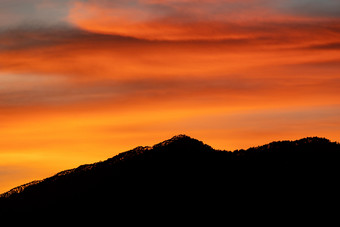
[{"x": 81, "y": 81}]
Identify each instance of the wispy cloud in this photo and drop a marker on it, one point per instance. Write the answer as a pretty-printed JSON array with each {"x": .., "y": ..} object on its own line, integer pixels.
[
  {"x": 74, "y": 66},
  {"x": 177, "y": 20}
]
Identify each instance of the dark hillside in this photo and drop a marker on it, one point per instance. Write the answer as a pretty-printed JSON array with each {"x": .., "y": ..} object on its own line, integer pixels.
[{"x": 186, "y": 171}]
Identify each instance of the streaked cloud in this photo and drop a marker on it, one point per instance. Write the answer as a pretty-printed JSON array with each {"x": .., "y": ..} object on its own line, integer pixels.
[{"x": 178, "y": 20}]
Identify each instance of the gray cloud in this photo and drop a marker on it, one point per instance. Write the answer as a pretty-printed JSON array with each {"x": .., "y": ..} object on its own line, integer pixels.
[
  {"x": 49, "y": 91},
  {"x": 313, "y": 8},
  {"x": 46, "y": 12},
  {"x": 326, "y": 46},
  {"x": 35, "y": 36}
]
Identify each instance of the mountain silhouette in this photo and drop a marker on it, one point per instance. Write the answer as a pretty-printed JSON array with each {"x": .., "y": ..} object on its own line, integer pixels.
[{"x": 185, "y": 171}]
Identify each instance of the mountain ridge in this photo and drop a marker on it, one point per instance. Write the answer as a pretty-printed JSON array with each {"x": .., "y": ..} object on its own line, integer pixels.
[
  {"x": 186, "y": 163},
  {"x": 141, "y": 149},
  {"x": 119, "y": 157}
]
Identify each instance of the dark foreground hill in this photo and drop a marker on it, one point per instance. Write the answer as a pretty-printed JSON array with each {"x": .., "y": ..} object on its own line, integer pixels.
[{"x": 184, "y": 173}]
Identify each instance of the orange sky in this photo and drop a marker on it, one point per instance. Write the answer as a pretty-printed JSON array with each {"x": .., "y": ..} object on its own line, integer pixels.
[{"x": 95, "y": 78}]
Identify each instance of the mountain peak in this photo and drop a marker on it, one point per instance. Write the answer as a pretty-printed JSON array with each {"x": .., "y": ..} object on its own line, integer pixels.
[
  {"x": 180, "y": 137},
  {"x": 184, "y": 143}
]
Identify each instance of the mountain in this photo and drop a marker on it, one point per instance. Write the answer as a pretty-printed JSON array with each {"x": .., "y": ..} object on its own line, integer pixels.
[{"x": 185, "y": 171}]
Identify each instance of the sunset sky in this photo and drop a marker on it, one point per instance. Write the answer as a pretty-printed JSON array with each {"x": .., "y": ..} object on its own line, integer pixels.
[{"x": 83, "y": 80}]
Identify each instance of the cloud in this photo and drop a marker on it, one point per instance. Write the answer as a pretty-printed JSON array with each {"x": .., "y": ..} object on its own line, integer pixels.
[
  {"x": 29, "y": 90},
  {"x": 31, "y": 37},
  {"x": 63, "y": 66},
  {"x": 172, "y": 19},
  {"x": 156, "y": 19},
  {"x": 85, "y": 55},
  {"x": 46, "y": 12},
  {"x": 185, "y": 20},
  {"x": 312, "y": 8},
  {"x": 178, "y": 20},
  {"x": 325, "y": 46}
]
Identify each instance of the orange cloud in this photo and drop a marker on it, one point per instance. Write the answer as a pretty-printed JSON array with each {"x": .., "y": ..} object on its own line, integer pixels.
[
  {"x": 197, "y": 20},
  {"x": 85, "y": 67}
]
